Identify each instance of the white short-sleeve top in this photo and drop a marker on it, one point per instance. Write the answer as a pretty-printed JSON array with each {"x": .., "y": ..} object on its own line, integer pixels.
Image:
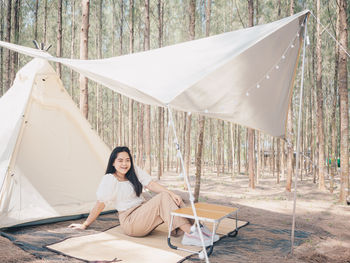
[{"x": 121, "y": 193}]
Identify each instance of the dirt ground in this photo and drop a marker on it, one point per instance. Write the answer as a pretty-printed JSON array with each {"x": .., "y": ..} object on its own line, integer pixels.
[{"x": 318, "y": 213}]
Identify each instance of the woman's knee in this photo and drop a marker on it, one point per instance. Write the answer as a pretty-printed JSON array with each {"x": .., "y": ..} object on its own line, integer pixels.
[{"x": 165, "y": 195}]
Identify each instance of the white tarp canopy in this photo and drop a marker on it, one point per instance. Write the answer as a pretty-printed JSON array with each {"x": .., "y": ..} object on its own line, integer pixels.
[{"x": 244, "y": 76}]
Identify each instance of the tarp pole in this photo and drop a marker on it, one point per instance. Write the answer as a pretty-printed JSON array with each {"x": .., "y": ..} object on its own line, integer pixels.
[
  {"x": 298, "y": 137},
  {"x": 179, "y": 155}
]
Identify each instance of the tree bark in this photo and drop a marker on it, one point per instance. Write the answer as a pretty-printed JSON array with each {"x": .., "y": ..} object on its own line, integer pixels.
[
  {"x": 278, "y": 163},
  {"x": 59, "y": 37},
  {"x": 7, "y": 78},
  {"x": 131, "y": 50},
  {"x": 320, "y": 128},
  {"x": 290, "y": 146},
  {"x": 2, "y": 7},
  {"x": 258, "y": 165},
  {"x": 192, "y": 17},
  {"x": 84, "y": 106},
  {"x": 218, "y": 158},
  {"x": 238, "y": 150},
  {"x": 344, "y": 103},
  {"x": 72, "y": 47},
  {"x": 17, "y": 13},
  {"x": 36, "y": 19},
  {"x": 199, "y": 157},
  {"x": 333, "y": 127},
  {"x": 251, "y": 148},
  {"x": 148, "y": 163},
  {"x": 45, "y": 22},
  {"x": 140, "y": 134},
  {"x": 160, "y": 9}
]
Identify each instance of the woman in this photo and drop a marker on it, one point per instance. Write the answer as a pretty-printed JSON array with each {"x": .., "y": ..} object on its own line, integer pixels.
[{"x": 122, "y": 184}]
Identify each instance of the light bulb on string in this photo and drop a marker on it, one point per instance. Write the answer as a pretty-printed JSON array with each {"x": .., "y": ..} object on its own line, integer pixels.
[{"x": 276, "y": 66}]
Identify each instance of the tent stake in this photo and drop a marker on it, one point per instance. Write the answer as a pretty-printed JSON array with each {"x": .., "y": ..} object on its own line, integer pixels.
[
  {"x": 179, "y": 154},
  {"x": 298, "y": 138}
]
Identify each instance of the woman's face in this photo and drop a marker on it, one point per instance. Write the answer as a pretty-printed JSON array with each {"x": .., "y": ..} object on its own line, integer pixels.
[{"x": 122, "y": 163}]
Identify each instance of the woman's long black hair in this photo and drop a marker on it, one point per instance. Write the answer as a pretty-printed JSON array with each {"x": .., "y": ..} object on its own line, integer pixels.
[{"x": 130, "y": 175}]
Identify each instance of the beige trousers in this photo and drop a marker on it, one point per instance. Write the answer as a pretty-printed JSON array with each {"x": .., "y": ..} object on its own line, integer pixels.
[{"x": 141, "y": 220}]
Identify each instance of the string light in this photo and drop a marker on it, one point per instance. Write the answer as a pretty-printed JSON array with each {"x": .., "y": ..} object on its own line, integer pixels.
[{"x": 277, "y": 65}]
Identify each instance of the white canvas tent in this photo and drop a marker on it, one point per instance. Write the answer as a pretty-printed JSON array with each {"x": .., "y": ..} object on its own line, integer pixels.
[
  {"x": 51, "y": 159},
  {"x": 245, "y": 76}
]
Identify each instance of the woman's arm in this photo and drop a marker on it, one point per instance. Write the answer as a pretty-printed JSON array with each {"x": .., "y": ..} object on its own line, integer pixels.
[
  {"x": 157, "y": 188},
  {"x": 95, "y": 212}
]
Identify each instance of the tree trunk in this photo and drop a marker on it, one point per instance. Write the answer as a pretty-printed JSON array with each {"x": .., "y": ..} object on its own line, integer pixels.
[
  {"x": 36, "y": 19},
  {"x": 251, "y": 148},
  {"x": 45, "y": 22},
  {"x": 188, "y": 142},
  {"x": 140, "y": 135},
  {"x": 344, "y": 103},
  {"x": 223, "y": 147},
  {"x": 199, "y": 157},
  {"x": 17, "y": 13},
  {"x": 320, "y": 129},
  {"x": 120, "y": 120},
  {"x": 148, "y": 163},
  {"x": 59, "y": 37},
  {"x": 251, "y": 158},
  {"x": 258, "y": 165},
  {"x": 85, "y": 5},
  {"x": 131, "y": 124},
  {"x": 2, "y": 7},
  {"x": 192, "y": 17},
  {"x": 291, "y": 7},
  {"x": 201, "y": 118},
  {"x": 218, "y": 149},
  {"x": 238, "y": 150},
  {"x": 273, "y": 158},
  {"x": 279, "y": 9},
  {"x": 131, "y": 101},
  {"x": 8, "y": 53},
  {"x": 160, "y": 8},
  {"x": 72, "y": 47},
  {"x": 290, "y": 146},
  {"x": 278, "y": 164},
  {"x": 334, "y": 110},
  {"x": 230, "y": 142}
]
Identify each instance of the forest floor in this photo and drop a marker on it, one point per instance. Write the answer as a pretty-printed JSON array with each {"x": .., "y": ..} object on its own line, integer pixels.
[{"x": 268, "y": 208}]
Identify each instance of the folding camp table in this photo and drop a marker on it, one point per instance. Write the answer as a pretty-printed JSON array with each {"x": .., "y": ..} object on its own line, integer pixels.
[{"x": 206, "y": 213}]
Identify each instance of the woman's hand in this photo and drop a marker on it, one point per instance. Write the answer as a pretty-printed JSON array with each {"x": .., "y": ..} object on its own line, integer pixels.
[
  {"x": 78, "y": 226},
  {"x": 177, "y": 199}
]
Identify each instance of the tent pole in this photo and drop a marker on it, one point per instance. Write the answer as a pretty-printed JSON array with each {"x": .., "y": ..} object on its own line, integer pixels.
[
  {"x": 179, "y": 155},
  {"x": 298, "y": 137}
]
